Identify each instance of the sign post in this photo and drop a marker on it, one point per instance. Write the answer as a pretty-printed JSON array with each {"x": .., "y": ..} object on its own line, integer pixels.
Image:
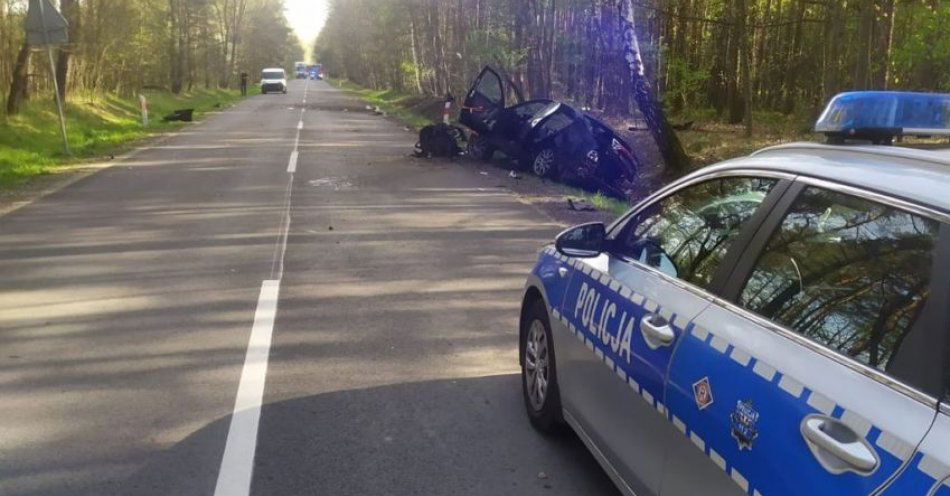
[
  {"x": 46, "y": 26},
  {"x": 143, "y": 106}
]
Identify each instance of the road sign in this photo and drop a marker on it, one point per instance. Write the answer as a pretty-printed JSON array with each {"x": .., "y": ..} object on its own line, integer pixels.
[{"x": 45, "y": 25}]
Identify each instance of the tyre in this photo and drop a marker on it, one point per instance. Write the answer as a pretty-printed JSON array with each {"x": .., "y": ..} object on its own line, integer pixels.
[
  {"x": 538, "y": 371},
  {"x": 479, "y": 148},
  {"x": 544, "y": 163}
]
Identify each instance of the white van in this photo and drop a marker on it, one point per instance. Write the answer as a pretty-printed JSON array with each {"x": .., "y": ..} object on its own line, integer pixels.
[{"x": 273, "y": 79}]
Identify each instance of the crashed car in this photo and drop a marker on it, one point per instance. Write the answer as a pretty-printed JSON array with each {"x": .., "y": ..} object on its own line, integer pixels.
[{"x": 550, "y": 138}]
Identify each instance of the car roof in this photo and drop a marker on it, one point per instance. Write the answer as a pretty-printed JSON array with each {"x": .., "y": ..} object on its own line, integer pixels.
[
  {"x": 281, "y": 69},
  {"x": 920, "y": 176}
]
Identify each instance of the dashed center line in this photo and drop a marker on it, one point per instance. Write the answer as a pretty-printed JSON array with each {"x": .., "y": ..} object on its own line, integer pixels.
[
  {"x": 237, "y": 464},
  {"x": 292, "y": 165}
]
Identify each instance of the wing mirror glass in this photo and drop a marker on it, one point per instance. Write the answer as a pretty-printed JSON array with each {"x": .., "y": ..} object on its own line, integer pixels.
[{"x": 584, "y": 241}]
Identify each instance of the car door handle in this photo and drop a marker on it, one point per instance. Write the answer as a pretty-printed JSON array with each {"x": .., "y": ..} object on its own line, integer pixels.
[
  {"x": 656, "y": 331},
  {"x": 840, "y": 448}
]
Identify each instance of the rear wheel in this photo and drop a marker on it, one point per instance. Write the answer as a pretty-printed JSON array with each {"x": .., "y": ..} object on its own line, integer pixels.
[
  {"x": 544, "y": 163},
  {"x": 538, "y": 371}
]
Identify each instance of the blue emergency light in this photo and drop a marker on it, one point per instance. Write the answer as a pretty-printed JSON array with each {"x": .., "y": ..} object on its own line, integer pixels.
[{"x": 879, "y": 116}]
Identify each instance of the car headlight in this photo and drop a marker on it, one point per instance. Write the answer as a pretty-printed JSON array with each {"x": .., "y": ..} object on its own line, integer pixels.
[{"x": 593, "y": 156}]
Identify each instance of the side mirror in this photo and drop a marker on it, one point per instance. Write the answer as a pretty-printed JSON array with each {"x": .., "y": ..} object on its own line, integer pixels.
[{"x": 583, "y": 241}]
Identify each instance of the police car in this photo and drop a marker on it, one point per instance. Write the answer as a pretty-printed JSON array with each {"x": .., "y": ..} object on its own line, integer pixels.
[{"x": 775, "y": 324}]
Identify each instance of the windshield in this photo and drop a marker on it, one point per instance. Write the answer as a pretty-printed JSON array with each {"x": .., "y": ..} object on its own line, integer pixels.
[{"x": 273, "y": 75}]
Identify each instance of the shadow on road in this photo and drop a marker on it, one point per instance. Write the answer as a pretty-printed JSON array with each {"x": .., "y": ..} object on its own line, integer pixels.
[{"x": 458, "y": 437}]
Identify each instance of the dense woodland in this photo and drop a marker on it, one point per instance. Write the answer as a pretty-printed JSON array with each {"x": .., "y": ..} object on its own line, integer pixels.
[
  {"x": 126, "y": 45},
  {"x": 786, "y": 56}
]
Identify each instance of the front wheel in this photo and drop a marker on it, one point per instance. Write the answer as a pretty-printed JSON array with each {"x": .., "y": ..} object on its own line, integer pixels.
[
  {"x": 479, "y": 148},
  {"x": 538, "y": 371},
  {"x": 544, "y": 163}
]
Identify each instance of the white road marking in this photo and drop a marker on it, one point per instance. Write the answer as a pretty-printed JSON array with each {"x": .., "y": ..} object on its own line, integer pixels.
[
  {"x": 292, "y": 164},
  {"x": 237, "y": 465}
]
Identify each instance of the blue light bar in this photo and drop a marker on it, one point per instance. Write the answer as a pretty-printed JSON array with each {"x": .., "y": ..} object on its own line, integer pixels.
[{"x": 876, "y": 114}]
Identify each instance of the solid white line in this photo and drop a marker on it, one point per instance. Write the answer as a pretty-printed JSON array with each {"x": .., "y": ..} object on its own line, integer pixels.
[
  {"x": 292, "y": 165},
  {"x": 300, "y": 125},
  {"x": 237, "y": 465}
]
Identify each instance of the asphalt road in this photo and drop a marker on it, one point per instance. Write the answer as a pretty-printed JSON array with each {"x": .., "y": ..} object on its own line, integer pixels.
[{"x": 128, "y": 300}]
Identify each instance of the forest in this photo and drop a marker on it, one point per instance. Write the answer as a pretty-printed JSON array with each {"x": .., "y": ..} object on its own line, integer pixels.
[
  {"x": 124, "y": 46},
  {"x": 717, "y": 58}
]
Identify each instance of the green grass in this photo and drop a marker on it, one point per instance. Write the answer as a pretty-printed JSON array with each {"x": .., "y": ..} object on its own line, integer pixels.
[
  {"x": 413, "y": 110},
  {"x": 97, "y": 125},
  {"x": 607, "y": 204},
  {"x": 711, "y": 140}
]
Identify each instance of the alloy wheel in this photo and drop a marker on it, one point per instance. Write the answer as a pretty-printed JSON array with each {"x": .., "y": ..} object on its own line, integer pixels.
[
  {"x": 536, "y": 365},
  {"x": 543, "y": 164}
]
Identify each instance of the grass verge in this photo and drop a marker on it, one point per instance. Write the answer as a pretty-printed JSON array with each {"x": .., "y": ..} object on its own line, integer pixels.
[{"x": 97, "y": 126}]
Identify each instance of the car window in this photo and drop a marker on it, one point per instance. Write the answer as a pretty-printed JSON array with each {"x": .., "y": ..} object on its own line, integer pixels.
[
  {"x": 489, "y": 87},
  {"x": 687, "y": 234},
  {"x": 849, "y": 273},
  {"x": 526, "y": 110},
  {"x": 553, "y": 125}
]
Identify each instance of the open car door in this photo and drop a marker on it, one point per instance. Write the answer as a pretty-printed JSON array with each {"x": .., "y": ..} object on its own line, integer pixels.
[{"x": 484, "y": 102}]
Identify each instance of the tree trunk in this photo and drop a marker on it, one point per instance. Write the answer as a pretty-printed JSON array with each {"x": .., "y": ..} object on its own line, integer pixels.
[
  {"x": 415, "y": 54},
  {"x": 70, "y": 11},
  {"x": 744, "y": 68},
  {"x": 674, "y": 156},
  {"x": 890, "y": 10},
  {"x": 794, "y": 59},
  {"x": 863, "y": 45},
  {"x": 736, "y": 41},
  {"x": 18, "y": 86}
]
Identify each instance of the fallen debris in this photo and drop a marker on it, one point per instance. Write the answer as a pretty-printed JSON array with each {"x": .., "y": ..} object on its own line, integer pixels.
[
  {"x": 184, "y": 115},
  {"x": 684, "y": 126},
  {"x": 514, "y": 175},
  {"x": 580, "y": 205}
]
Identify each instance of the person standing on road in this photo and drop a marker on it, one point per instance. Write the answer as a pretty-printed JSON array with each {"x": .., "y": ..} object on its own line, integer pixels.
[{"x": 243, "y": 83}]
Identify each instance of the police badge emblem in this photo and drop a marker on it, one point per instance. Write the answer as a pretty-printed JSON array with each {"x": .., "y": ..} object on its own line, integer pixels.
[{"x": 744, "y": 420}]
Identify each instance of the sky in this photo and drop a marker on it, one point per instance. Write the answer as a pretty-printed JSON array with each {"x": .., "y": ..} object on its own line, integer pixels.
[{"x": 306, "y": 17}]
